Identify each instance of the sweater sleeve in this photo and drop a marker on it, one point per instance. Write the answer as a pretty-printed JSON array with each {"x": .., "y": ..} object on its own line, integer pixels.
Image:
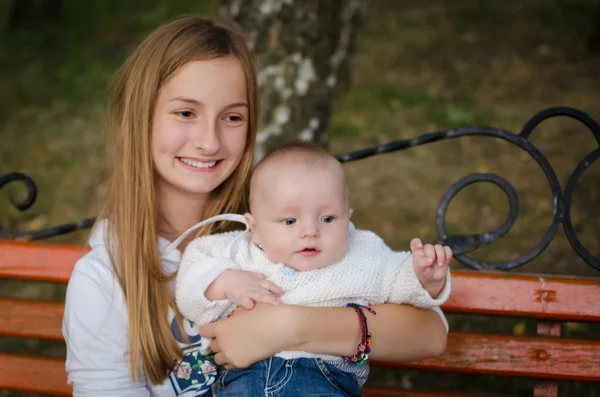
[
  {"x": 197, "y": 271},
  {"x": 405, "y": 286}
]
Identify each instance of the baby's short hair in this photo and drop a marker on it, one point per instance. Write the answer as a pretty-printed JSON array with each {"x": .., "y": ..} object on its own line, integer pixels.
[
  {"x": 302, "y": 153},
  {"x": 308, "y": 153}
]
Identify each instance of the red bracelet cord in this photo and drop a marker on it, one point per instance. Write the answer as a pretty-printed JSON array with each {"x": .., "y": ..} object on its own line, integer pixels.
[{"x": 364, "y": 347}]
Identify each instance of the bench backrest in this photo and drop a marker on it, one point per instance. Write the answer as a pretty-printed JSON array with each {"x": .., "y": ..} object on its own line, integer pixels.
[{"x": 541, "y": 297}]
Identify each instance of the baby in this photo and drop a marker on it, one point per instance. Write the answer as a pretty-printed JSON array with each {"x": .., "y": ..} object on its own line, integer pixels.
[{"x": 302, "y": 249}]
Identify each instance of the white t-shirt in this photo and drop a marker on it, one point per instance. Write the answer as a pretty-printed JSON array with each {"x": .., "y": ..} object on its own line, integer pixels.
[{"x": 95, "y": 328}]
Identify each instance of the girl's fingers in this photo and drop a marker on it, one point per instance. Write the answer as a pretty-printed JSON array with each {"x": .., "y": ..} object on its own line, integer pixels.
[
  {"x": 214, "y": 346},
  {"x": 220, "y": 359}
]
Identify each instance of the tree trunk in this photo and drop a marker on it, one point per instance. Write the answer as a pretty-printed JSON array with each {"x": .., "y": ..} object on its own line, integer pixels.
[{"x": 304, "y": 50}]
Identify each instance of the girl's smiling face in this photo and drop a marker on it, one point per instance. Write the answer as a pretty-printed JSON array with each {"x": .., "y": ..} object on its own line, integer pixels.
[{"x": 200, "y": 126}]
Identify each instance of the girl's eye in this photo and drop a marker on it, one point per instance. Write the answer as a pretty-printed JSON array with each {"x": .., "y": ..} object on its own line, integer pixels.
[
  {"x": 327, "y": 219},
  {"x": 234, "y": 118},
  {"x": 289, "y": 221},
  {"x": 186, "y": 114}
]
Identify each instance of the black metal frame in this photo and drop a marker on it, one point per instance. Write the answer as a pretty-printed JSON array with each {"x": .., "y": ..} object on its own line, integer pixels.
[{"x": 460, "y": 244}]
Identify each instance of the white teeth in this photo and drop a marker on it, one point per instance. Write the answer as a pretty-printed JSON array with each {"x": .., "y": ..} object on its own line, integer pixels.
[{"x": 198, "y": 164}]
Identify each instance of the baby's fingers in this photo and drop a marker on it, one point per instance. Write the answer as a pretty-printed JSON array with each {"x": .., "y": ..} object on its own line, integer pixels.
[
  {"x": 271, "y": 286},
  {"x": 424, "y": 261},
  {"x": 429, "y": 251},
  {"x": 440, "y": 254},
  {"x": 263, "y": 296},
  {"x": 448, "y": 251},
  {"x": 415, "y": 245},
  {"x": 247, "y": 303}
]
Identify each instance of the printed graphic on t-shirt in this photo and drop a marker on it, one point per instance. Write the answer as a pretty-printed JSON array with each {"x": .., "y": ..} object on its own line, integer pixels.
[{"x": 196, "y": 373}]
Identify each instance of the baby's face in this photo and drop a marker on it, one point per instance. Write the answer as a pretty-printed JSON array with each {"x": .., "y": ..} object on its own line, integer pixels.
[{"x": 300, "y": 216}]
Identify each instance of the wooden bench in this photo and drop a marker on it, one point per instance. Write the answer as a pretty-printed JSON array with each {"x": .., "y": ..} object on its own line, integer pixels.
[{"x": 551, "y": 300}]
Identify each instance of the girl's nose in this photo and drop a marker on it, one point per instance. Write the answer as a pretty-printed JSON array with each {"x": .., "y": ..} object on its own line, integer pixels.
[{"x": 206, "y": 138}]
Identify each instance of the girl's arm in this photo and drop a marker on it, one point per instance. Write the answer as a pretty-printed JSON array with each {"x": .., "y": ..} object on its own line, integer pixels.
[
  {"x": 95, "y": 330},
  {"x": 399, "y": 333}
]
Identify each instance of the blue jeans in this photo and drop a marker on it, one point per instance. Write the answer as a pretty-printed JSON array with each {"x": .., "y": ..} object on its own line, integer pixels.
[{"x": 278, "y": 377}]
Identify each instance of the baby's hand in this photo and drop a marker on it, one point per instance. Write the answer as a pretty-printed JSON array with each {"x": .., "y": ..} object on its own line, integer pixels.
[
  {"x": 245, "y": 288},
  {"x": 431, "y": 265}
]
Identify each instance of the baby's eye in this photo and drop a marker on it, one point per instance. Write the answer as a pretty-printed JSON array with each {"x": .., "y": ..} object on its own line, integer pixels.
[
  {"x": 327, "y": 219},
  {"x": 289, "y": 221}
]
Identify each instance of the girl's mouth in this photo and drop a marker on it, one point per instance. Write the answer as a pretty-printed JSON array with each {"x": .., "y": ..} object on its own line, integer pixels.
[{"x": 199, "y": 165}]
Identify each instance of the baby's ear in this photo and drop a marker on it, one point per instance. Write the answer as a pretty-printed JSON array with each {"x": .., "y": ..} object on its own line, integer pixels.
[
  {"x": 350, "y": 213},
  {"x": 251, "y": 224}
]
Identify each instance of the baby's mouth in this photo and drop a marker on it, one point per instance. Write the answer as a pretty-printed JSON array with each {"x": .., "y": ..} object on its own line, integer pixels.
[{"x": 309, "y": 251}]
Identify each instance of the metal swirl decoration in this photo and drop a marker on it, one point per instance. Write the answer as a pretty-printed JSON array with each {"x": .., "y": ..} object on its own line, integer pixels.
[
  {"x": 27, "y": 203},
  {"x": 460, "y": 244}
]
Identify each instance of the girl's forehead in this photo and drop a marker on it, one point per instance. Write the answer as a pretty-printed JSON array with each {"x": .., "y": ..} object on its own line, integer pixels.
[{"x": 219, "y": 78}]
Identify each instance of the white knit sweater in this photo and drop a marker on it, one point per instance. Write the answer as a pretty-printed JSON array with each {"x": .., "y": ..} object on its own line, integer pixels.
[{"x": 369, "y": 273}]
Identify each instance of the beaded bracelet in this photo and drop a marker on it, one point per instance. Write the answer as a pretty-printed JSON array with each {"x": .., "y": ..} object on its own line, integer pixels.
[{"x": 364, "y": 347}]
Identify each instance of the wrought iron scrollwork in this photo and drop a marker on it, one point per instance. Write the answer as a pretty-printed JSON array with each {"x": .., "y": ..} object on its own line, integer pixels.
[
  {"x": 460, "y": 244},
  {"x": 26, "y": 204}
]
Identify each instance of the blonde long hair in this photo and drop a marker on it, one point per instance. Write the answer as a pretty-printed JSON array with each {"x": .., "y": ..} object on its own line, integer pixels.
[{"x": 131, "y": 206}]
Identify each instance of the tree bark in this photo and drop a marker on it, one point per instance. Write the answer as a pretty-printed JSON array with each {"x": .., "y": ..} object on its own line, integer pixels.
[{"x": 304, "y": 50}]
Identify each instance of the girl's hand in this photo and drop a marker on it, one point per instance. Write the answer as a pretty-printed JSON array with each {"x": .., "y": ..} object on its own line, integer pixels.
[{"x": 252, "y": 335}]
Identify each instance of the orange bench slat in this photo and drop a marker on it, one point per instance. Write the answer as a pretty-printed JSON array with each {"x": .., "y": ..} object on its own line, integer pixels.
[
  {"x": 31, "y": 319},
  {"x": 558, "y": 298},
  {"x": 493, "y": 293},
  {"x": 38, "y": 261},
  {"x": 536, "y": 357},
  {"x": 381, "y": 392},
  {"x": 45, "y": 375}
]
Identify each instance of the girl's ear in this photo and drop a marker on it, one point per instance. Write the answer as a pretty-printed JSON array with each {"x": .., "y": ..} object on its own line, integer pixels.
[
  {"x": 252, "y": 223},
  {"x": 350, "y": 214}
]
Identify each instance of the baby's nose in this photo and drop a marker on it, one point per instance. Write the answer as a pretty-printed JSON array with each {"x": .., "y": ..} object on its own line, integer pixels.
[{"x": 312, "y": 232}]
